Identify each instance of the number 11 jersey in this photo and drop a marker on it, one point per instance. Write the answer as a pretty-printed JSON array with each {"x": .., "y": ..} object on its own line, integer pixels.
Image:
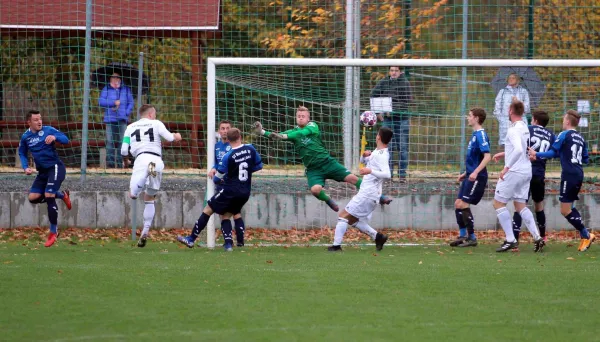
[{"x": 144, "y": 136}]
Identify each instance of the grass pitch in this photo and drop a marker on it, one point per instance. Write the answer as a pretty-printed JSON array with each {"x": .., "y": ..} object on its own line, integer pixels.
[{"x": 114, "y": 292}]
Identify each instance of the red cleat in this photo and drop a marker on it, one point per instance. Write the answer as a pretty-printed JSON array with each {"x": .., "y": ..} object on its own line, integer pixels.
[
  {"x": 67, "y": 199},
  {"x": 51, "y": 239}
]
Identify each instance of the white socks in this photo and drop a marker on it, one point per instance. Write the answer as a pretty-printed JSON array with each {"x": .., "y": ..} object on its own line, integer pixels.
[
  {"x": 149, "y": 216},
  {"x": 365, "y": 228},
  {"x": 527, "y": 217},
  {"x": 506, "y": 223},
  {"x": 340, "y": 230}
]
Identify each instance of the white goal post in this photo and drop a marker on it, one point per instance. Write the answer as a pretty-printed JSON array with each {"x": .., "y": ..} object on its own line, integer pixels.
[{"x": 214, "y": 62}]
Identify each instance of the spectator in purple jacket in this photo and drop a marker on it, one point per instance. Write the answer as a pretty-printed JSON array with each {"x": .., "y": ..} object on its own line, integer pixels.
[{"x": 117, "y": 101}]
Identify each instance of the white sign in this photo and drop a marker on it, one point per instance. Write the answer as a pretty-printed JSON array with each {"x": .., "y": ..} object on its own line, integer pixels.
[
  {"x": 381, "y": 104},
  {"x": 583, "y": 122},
  {"x": 583, "y": 106}
]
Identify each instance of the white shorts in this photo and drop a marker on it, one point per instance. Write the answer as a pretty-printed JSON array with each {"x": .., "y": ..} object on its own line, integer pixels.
[
  {"x": 361, "y": 207},
  {"x": 139, "y": 178},
  {"x": 515, "y": 186}
]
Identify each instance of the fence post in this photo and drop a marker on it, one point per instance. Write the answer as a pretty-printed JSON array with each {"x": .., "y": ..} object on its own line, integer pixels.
[{"x": 86, "y": 88}]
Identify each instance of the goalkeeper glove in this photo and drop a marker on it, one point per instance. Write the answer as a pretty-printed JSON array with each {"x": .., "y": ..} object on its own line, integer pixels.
[{"x": 258, "y": 129}]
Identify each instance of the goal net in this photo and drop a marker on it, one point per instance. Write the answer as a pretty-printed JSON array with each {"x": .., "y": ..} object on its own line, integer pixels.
[{"x": 430, "y": 128}]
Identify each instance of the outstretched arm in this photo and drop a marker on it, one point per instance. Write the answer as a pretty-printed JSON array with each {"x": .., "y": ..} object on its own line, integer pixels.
[{"x": 23, "y": 154}]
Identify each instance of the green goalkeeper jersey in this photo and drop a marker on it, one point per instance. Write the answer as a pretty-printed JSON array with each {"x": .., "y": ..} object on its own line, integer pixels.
[{"x": 308, "y": 144}]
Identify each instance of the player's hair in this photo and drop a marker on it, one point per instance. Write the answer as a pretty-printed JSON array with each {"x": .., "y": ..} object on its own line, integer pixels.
[
  {"x": 479, "y": 113},
  {"x": 30, "y": 113},
  {"x": 145, "y": 109},
  {"x": 385, "y": 134},
  {"x": 573, "y": 117},
  {"x": 541, "y": 117},
  {"x": 302, "y": 109},
  {"x": 517, "y": 107},
  {"x": 234, "y": 134},
  {"x": 224, "y": 122}
]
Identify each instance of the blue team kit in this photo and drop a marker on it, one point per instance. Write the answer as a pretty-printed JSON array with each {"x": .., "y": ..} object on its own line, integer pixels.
[{"x": 472, "y": 191}]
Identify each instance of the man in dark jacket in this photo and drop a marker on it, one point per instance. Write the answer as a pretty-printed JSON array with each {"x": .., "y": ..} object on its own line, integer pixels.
[
  {"x": 117, "y": 101},
  {"x": 396, "y": 87}
]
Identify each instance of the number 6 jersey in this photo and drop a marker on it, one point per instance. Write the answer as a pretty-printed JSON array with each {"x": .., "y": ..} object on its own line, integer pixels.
[
  {"x": 236, "y": 168},
  {"x": 144, "y": 137}
]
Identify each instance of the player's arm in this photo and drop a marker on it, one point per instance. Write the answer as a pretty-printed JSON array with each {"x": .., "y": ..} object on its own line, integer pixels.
[
  {"x": 222, "y": 168},
  {"x": 552, "y": 152},
  {"x": 23, "y": 153},
  {"x": 126, "y": 142},
  {"x": 58, "y": 136},
  {"x": 260, "y": 131},
  {"x": 310, "y": 129},
  {"x": 484, "y": 147},
  {"x": 585, "y": 157},
  {"x": 366, "y": 156},
  {"x": 486, "y": 159},
  {"x": 384, "y": 173},
  {"x": 258, "y": 164},
  {"x": 165, "y": 134}
]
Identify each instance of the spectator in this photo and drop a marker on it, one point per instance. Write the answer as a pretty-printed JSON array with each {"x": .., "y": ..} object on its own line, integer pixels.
[
  {"x": 505, "y": 97},
  {"x": 396, "y": 87},
  {"x": 117, "y": 100}
]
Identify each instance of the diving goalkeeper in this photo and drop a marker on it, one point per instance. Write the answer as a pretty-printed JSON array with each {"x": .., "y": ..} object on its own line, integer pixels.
[{"x": 316, "y": 159}]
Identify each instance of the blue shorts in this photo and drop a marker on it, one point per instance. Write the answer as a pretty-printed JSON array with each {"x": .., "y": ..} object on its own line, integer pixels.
[
  {"x": 49, "y": 180},
  {"x": 228, "y": 201},
  {"x": 472, "y": 192},
  {"x": 569, "y": 189}
]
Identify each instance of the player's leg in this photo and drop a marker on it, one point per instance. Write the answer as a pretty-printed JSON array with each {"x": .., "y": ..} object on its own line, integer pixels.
[
  {"x": 527, "y": 216},
  {"x": 353, "y": 179},
  {"x": 239, "y": 226},
  {"x": 362, "y": 208},
  {"x": 569, "y": 191},
  {"x": 37, "y": 190},
  {"x": 199, "y": 225},
  {"x": 404, "y": 135},
  {"x": 56, "y": 176},
  {"x": 139, "y": 176},
  {"x": 538, "y": 189},
  {"x": 227, "y": 232},
  {"x": 316, "y": 182},
  {"x": 504, "y": 192},
  {"x": 459, "y": 205},
  {"x": 344, "y": 219}
]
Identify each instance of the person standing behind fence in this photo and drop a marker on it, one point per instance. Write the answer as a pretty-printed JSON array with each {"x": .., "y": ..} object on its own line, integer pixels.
[
  {"x": 396, "y": 87},
  {"x": 117, "y": 100},
  {"x": 512, "y": 91}
]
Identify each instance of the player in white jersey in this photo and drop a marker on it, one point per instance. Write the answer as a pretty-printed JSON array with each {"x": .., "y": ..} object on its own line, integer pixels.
[
  {"x": 515, "y": 179},
  {"x": 142, "y": 139},
  {"x": 359, "y": 210}
]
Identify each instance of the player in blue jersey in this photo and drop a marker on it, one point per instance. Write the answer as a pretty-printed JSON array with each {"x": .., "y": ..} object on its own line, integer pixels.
[
  {"x": 541, "y": 140},
  {"x": 39, "y": 140},
  {"x": 571, "y": 147},
  {"x": 221, "y": 148},
  {"x": 474, "y": 179},
  {"x": 234, "y": 175}
]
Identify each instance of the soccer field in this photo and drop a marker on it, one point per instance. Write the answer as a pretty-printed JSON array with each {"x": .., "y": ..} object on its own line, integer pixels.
[{"x": 113, "y": 291}]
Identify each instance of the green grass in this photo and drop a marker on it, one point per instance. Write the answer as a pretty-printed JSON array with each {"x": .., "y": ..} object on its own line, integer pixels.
[{"x": 118, "y": 292}]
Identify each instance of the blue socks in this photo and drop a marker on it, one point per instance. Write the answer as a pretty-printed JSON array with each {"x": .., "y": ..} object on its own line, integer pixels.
[
  {"x": 461, "y": 224},
  {"x": 575, "y": 220},
  {"x": 239, "y": 230},
  {"x": 226, "y": 230},
  {"x": 52, "y": 214},
  {"x": 517, "y": 222},
  {"x": 199, "y": 226}
]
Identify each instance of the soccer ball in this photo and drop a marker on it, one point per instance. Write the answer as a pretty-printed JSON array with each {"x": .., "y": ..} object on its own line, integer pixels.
[{"x": 368, "y": 118}]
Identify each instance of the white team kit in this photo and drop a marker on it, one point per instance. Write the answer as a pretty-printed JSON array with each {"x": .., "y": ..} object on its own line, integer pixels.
[
  {"x": 143, "y": 136},
  {"x": 365, "y": 201},
  {"x": 515, "y": 185}
]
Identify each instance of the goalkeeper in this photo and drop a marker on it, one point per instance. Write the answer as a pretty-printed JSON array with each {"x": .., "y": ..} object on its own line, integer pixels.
[{"x": 316, "y": 159}]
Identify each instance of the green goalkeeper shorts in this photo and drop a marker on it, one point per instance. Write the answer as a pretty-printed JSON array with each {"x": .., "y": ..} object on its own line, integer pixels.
[{"x": 329, "y": 170}]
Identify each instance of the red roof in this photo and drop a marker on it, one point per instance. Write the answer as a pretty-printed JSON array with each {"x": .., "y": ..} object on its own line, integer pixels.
[{"x": 121, "y": 15}]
